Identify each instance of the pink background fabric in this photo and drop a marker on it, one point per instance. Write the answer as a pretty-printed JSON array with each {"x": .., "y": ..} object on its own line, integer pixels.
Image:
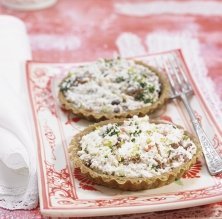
[{"x": 74, "y": 31}]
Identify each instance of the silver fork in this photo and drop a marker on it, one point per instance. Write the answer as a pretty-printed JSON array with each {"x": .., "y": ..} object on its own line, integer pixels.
[{"x": 181, "y": 88}]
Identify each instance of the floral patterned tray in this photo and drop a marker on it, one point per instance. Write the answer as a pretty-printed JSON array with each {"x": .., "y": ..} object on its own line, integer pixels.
[{"x": 64, "y": 191}]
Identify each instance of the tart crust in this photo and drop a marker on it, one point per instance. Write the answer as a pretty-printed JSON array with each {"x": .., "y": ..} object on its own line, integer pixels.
[
  {"x": 95, "y": 116},
  {"x": 128, "y": 183}
]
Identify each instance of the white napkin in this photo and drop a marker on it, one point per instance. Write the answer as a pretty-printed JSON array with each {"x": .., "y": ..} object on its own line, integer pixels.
[{"x": 18, "y": 183}]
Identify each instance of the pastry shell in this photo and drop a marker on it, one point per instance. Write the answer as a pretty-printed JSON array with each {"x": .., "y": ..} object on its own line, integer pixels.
[
  {"x": 127, "y": 183},
  {"x": 95, "y": 116}
]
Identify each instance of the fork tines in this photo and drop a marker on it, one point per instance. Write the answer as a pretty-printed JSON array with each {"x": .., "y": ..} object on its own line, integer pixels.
[{"x": 176, "y": 74}]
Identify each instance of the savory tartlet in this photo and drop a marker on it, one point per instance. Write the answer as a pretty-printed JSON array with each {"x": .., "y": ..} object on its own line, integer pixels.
[
  {"x": 114, "y": 88},
  {"x": 134, "y": 154}
]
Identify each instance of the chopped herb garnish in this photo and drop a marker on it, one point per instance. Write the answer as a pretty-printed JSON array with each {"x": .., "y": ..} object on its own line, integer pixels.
[
  {"x": 86, "y": 151},
  {"x": 154, "y": 167},
  {"x": 140, "y": 96},
  {"x": 169, "y": 152},
  {"x": 65, "y": 85},
  {"x": 151, "y": 89},
  {"x": 136, "y": 132},
  {"x": 143, "y": 84},
  {"x": 111, "y": 131},
  {"x": 148, "y": 100},
  {"x": 119, "y": 79}
]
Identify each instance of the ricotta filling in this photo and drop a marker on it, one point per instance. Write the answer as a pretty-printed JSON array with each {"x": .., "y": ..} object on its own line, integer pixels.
[
  {"x": 136, "y": 148},
  {"x": 111, "y": 86}
]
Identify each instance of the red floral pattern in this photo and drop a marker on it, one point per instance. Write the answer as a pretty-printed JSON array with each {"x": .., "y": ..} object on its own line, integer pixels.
[
  {"x": 41, "y": 86},
  {"x": 51, "y": 139},
  {"x": 194, "y": 171},
  {"x": 71, "y": 118},
  {"x": 84, "y": 182},
  {"x": 59, "y": 181},
  {"x": 200, "y": 193}
]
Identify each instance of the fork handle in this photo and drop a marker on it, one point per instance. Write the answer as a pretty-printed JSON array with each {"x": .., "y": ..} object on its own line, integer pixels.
[{"x": 213, "y": 159}]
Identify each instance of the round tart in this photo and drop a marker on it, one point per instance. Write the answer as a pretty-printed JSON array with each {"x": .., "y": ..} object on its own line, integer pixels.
[
  {"x": 114, "y": 88},
  {"x": 134, "y": 154}
]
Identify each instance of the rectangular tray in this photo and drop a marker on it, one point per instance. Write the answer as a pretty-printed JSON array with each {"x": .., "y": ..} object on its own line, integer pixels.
[{"x": 64, "y": 191}]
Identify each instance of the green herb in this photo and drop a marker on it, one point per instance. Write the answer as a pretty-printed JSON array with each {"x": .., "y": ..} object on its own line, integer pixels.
[
  {"x": 133, "y": 139},
  {"x": 65, "y": 85},
  {"x": 119, "y": 79},
  {"x": 169, "y": 152},
  {"x": 140, "y": 96},
  {"x": 111, "y": 131},
  {"x": 136, "y": 132},
  {"x": 151, "y": 89},
  {"x": 143, "y": 84},
  {"x": 148, "y": 100},
  {"x": 86, "y": 151},
  {"x": 154, "y": 167}
]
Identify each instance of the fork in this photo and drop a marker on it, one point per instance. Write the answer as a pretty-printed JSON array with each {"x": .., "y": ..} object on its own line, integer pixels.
[{"x": 181, "y": 88}]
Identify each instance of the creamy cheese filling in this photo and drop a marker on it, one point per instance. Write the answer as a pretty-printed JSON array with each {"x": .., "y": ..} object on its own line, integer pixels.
[
  {"x": 111, "y": 86},
  {"x": 137, "y": 148}
]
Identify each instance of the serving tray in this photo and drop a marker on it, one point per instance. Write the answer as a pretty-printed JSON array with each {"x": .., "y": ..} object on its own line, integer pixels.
[{"x": 64, "y": 191}]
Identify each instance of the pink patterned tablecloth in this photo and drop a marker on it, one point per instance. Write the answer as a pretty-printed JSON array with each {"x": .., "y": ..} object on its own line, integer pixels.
[{"x": 76, "y": 30}]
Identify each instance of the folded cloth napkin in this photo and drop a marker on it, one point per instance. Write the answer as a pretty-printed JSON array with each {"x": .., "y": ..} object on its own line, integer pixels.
[{"x": 18, "y": 181}]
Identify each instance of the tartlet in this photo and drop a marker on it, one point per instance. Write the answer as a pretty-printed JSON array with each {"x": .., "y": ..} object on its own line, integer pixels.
[
  {"x": 134, "y": 154},
  {"x": 115, "y": 88}
]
